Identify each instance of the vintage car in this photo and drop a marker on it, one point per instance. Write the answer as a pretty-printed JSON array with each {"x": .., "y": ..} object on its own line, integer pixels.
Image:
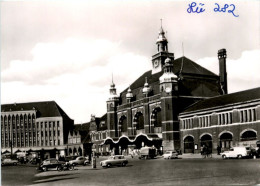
[
  {"x": 9, "y": 162},
  {"x": 51, "y": 164},
  {"x": 147, "y": 153},
  {"x": 79, "y": 161},
  {"x": 117, "y": 160},
  {"x": 235, "y": 152},
  {"x": 170, "y": 154}
]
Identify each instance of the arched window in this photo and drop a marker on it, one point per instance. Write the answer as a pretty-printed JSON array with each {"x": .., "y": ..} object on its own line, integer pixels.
[
  {"x": 139, "y": 119},
  {"x": 189, "y": 144},
  {"x": 226, "y": 140},
  {"x": 206, "y": 140},
  {"x": 123, "y": 123},
  {"x": 156, "y": 117},
  {"x": 248, "y": 136}
]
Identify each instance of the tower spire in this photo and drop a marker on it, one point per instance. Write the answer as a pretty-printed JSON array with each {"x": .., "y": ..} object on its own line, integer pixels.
[
  {"x": 162, "y": 41},
  {"x": 112, "y": 79}
]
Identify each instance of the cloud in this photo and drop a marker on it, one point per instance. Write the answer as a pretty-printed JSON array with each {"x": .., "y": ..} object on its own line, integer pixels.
[
  {"x": 76, "y": 73},
  {"x": 243, "y": 73},
  {"x": 53, "y": 59}
]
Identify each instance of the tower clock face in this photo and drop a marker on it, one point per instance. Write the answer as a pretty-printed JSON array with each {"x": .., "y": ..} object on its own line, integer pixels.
[{"x": 156, "y": 63}]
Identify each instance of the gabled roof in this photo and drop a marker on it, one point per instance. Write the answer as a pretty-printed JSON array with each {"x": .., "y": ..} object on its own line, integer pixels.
[
  {"x": 196, "y": 81},
  {"x": 99, "y": 122},
  {"x": 224, "y": 100},
  {"x": 188, "y": 67},
  {"x": 44, "y": 109}
]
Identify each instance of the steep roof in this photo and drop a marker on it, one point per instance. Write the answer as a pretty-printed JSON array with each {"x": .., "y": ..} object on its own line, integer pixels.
[
  {"x": 197, "y": 81},
  {"x": 188, "y": 67},
  {"x": 44, "y": 109},
  {"x": 220, "y": 101}
]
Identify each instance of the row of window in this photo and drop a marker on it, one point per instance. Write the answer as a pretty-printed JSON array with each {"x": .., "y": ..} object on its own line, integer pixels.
[
  {"x": 20, "y": 124},
  {"x": 98, "y": 136},
  {"x": 248, "y": 115},
  {"x": 27, "y": 136},
  {"x": 245, "y": 115},
  {"x": 24, "y": 142},
  {"x": 52, "y": 124},
  {"x": 74, "y": 140}
]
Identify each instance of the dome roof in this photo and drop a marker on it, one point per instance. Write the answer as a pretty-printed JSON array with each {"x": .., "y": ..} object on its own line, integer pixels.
[
  {"x": 161, "y": 36},
  {"x": 129, "y": 93},
  {"x": 146, "y": 88},
  {"x": 168, "y": 60},
  {"x": 168, "y": 77}
]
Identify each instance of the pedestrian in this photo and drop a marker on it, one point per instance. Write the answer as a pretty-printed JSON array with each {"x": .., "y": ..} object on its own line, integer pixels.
[
  {"x": 209, "y": 153},
  {"x": 201, "y": 150},
  {"x": 219, "y": 149},
  {"x": 205, "y": 150}
]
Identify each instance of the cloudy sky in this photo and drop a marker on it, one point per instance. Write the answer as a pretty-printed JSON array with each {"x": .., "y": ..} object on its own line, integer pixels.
[{"x": 66, "y": 51}]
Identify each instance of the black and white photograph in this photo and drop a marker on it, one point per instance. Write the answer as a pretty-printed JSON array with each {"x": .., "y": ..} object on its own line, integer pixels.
[{"x": 130, "y": 92}]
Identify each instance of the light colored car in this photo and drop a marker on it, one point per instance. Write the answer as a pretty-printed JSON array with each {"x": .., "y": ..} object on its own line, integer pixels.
[
  {"x": 9, "y": 162},
  {"x": 117, "y": 160},
  {"x": 170, "y": 154},
  {"x": 235, "y": 152},
  {"x": 79, "y": 161}
]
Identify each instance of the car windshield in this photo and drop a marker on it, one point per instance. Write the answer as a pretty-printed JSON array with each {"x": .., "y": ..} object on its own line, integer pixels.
[
  {"x": 111, "y": 158},
  {"x": 168, "y": 152}
]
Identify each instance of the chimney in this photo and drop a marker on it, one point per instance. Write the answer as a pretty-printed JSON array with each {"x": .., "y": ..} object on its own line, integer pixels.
[{"x": 222, "y": 55}]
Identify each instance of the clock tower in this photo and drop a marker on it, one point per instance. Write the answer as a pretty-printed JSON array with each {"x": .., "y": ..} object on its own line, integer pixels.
[
  {"x": 112, "y": 104},
  {"x": 162, "y": 53}
]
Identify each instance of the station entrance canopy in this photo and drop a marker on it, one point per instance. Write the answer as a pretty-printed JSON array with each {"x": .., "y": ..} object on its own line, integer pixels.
[{"x": 138, "y": 141}]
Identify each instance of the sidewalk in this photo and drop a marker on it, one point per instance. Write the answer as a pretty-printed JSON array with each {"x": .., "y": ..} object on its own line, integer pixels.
[{"x": 198, "y": 156}]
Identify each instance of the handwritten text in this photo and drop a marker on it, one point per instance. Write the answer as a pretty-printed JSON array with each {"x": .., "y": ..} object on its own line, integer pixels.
[{"x": 199, "y": 8}]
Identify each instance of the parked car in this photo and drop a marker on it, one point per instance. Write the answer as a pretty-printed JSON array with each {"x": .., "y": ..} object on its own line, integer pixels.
[
  {"x": 79, "y": 161},
  {"x": 69, "y": 158},
  {"x": 87, "y": 161},
  {"x": 235, "y": 152},
  {"x": 51, "y": 163},
  {"x": 147, "y": 152},
  {"x": 118, "y": 160},
  {"x": 170, "y": 154},
  {"x": 9, "y": 162}
]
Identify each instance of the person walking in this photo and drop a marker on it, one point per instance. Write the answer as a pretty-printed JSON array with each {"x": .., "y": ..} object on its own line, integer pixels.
[
  {"x": 219, "y": 149},
  {"x": 201, "y": 150},
  {"x": 205, "y": 151}
]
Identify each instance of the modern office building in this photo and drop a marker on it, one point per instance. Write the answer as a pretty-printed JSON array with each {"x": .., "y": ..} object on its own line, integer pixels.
[
  {"x": 225, "y": 121},
  {"x": 41, "y": 127}
]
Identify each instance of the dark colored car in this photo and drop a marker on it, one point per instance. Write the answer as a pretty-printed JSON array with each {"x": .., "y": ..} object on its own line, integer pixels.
[{"x": 51, "y": 164}]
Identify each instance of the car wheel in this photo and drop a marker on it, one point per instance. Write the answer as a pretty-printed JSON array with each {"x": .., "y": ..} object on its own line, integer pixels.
[
  {"x": 224, "y": 157},
  {"x": 108, "y": 165},
  {"x": 58, "y": 168},
  {"x": 239, "y": 156},
  {"x": 169, "y": 157},
  {"x": 123, "y": 164},
  {"x": 71, "y": 167},
  {"x": 14, "y": 163},
  {"x": 44, "y": 169}
]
